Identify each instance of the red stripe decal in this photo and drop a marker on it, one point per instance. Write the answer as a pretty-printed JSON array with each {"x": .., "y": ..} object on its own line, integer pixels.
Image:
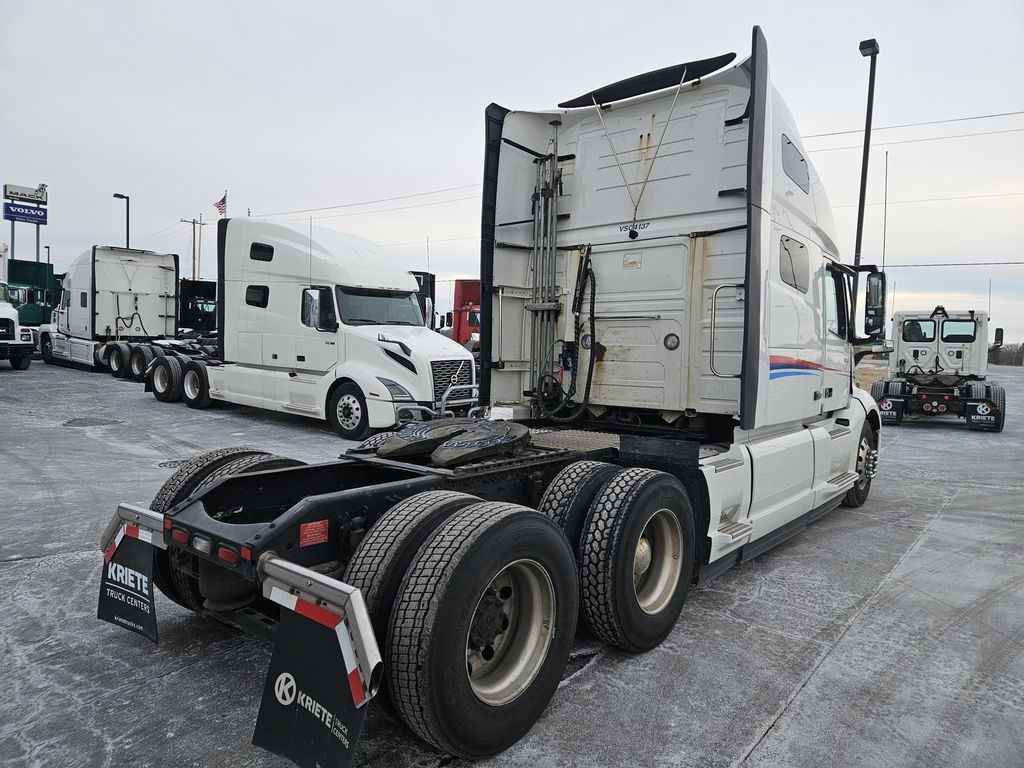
[
  {"x": 356, "y": 684},
  {"x": 132, "y": 530},
  {"x": 317, "y": 614},
  {"x": 110, "y": 552}
]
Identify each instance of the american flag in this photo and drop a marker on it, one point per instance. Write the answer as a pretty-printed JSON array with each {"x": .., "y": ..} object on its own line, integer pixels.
[{"x": 222, "y": 205}]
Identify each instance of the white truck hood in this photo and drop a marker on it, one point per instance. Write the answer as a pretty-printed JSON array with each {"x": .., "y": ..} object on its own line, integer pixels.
[{"x": 423, "y": 343}]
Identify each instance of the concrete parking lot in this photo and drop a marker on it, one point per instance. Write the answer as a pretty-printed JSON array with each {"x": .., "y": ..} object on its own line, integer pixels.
[{"x": 887, "y": 635}]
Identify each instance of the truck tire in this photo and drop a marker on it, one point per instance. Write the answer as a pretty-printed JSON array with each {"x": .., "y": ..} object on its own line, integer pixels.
[
  {"x": 999, "y": 399},
  {"x": 157, "y": 350},
  {"x": 636, "y": 558},
  {"x": 167, "y": 379},
  {"x": 221, "y": 589},
  {"x": 138, "y": 361},
  {"x": 170, "y": 579},
  {"x": 384, "y": 555},
  {"x": 868, "y": 442},
  {"x": 118, "y": 360},
  {"x": 46, "y": 348},
  {"x": 494, "y": 587},
  {"x": 21, "y": 363},
  {"x": 195, "y": 385},
  {"x": 567, "y": 500},
  {"x": 346, "y": 412}
]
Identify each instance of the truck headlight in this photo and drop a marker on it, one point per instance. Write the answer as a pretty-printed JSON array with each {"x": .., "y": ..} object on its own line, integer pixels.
[{"x": 398, "y": 392}]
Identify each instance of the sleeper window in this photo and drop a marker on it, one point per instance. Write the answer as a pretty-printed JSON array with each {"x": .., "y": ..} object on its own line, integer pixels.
[
  {"x": 794, "y": 165},
  {"x": 84, "y": 299},
  {"x": 257, "y": 296},
  {"x": 794, "y": 264},
  {"x": 261, "y": 252}
]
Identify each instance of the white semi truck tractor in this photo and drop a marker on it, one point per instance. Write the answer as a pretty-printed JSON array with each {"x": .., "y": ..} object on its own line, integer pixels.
[
  {"x": 317, "y": 323},
  {"x": 939, "y": 367},
  {"x": 668, "y": 341},
  {"x": 114, "y": 302},
  {"x": 16, "y": 343}
]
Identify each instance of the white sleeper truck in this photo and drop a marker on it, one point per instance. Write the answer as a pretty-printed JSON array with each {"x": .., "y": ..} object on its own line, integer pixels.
[
  {"x": 314, "y": 322},
  {"x": 667, "y": 351},
  {"x": 16, "y": 343},
  {"x": 113, "y": 299},
  {"x": 939, "y": 367}
]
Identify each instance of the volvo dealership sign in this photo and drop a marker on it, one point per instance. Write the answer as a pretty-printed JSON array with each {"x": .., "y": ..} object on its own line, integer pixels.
[
  {"x": 35, "y": 195},
  {"x": 26, "y": 213}
]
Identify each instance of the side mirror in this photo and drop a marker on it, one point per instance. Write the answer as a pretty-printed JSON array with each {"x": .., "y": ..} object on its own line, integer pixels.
[
  {"x": 428, "y": 313},
  {"x": 874, "y": 305},
  {"x": 448, "y": 317},
  {"x": 999, "y": 337}
]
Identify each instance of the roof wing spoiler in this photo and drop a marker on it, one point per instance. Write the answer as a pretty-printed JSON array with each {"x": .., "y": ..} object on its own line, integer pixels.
[{"x": 649, "y": 82}]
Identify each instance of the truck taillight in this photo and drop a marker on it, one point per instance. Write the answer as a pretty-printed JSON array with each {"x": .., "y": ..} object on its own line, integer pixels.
[
  {"x": 227, "y": 554},
  {"x": 167, "y": 523},
  {"x": 942, "y": 409},
  {"x": 179, "y": 535},
  {"x": 246, "y": 553}
]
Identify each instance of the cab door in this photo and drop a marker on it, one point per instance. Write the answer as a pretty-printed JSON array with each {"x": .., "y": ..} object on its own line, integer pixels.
[
  {"x": 838, "y": 366},
  {"x": 318, "y": 345}
]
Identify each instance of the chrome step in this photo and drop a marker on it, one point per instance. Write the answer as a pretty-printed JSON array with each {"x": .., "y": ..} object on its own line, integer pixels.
[
  {"x": 846, "y": 478},
  {"x": 735, "y": 530}
]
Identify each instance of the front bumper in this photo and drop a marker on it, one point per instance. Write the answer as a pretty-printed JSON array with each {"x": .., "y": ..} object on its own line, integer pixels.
[{"x": 10, "y": 349}]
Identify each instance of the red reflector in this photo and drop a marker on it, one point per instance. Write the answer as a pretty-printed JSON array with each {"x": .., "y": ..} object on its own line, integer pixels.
[
  {"x": 227, "y": 554},
  {"x": 945, "y": 397},
  {"x": 246, "y": 553},
  {"x": 167, "y": 523},
  {"x": 179, "y": 536}
]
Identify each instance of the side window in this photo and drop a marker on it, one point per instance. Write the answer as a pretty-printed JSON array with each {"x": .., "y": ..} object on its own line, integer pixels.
[
  {"x": 257, "y": 296},
  {"x": 261, "y": 252},
  {"x": 318, "y": 308},
  {"x": 794, "y": 165},
  {"x": 65, "y": 299},
  {"x": 794, "y": 264},
  {"x": 835, "y": 304},
  {"x": 919, "y": 330},
  {"x": 84, "y": 299},
  {"x": 958, "y": 331}
]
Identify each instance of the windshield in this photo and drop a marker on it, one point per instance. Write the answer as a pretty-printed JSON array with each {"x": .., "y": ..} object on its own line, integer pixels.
[{"x": 370, "y": 306}]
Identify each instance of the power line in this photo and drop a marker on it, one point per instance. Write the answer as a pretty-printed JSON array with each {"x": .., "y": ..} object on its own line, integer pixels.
[
  {"x": 936, "y": 199},
  {"x": 914, "y": 125},
  {"x": 155, "y": 234},
  {"x": 916, "y": 141},
  {"x": 962, "y": 264},
  {"x": 367, "y": 202},
  {"x": 420, "y": 242},
  {"x": 385, "y": 210}
]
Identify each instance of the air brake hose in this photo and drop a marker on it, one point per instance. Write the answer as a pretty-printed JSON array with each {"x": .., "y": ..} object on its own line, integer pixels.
[{"x": 587, "y": 274}]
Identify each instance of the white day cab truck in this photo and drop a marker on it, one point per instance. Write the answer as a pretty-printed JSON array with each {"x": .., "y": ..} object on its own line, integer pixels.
[
  {"x": 939, "y": 367},
  {"x": 115, "y": 303},
  {"x": 667, "y": 349},
  {"x": 313, "y": 322},
  {"x": 16, "y": 343}
]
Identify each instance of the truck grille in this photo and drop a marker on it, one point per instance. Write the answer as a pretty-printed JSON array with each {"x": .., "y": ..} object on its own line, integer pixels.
[
  {"x": 6, "y": 329},
  {"x": 442, "y": 372}
]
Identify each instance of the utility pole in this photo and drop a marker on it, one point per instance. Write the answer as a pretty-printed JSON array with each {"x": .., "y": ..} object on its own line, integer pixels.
[
  {"x": 868, "y": 48},
  {"x": 195, "y": 223}
]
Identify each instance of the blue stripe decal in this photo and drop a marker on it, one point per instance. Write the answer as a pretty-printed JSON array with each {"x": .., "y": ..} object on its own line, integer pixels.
[{"x": 783, "y": 374}]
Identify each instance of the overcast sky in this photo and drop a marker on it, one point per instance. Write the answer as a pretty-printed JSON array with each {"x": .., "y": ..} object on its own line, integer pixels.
[{"x": 303, "y": 105}]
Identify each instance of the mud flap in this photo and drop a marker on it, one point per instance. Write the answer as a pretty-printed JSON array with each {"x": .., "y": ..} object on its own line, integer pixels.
[
  {"x": 126, "y": 584},
  {"x": 325, "y": 668},
  {"x": 891, "y": 410},
  {"x": 981, "y": 415}
]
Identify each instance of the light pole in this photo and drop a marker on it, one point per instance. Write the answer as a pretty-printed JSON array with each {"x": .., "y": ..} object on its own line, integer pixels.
[
  {"x": 867, "y": 48},
  {"x": 47, "y": 253},
  {"x": 127, "y": 207}
]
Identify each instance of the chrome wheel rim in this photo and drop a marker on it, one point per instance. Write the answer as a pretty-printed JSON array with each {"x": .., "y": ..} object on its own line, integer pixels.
[
  {"x": 160, "y": 379},
  {"x": 862, "y": 463},
  {"x": 510, "y": 632},
  {"x": 191, "y": 385},
  {"x": 350, "y": 412},
  {"x": 658, "y": 561},
  {"x": 115, "y": 360},
  {"x": 137, "y": 365}
]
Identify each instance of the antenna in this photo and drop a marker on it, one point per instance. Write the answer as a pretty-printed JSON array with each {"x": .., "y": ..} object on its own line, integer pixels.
[
  {"x": 428, "y": 253},
  {"x": 885, "y": 205}
]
